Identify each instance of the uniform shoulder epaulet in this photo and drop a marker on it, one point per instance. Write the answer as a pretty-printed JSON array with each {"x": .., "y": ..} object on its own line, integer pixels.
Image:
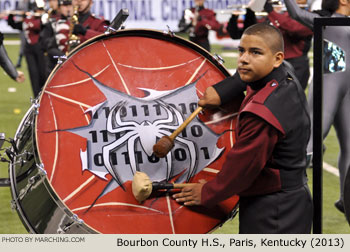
[{"x": 258, "y": 107}]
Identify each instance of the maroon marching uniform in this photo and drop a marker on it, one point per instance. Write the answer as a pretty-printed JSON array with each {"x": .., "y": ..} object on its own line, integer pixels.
[
  {"x": 297, "y": 43},
  {"x": 206, "y": 21},
  {"x": 266, "y": 166},
  {"x": 31, "y": 26},
  {"x": 296, "y": 36},
  {"x": 94, "y": 26},
  {"x": 56, "y": 34}
]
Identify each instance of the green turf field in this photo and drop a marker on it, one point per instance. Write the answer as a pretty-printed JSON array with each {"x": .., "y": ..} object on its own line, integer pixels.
[{"x": 13, "y": 106}]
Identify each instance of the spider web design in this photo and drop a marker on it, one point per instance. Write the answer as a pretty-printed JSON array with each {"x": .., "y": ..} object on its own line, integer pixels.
[
  {"x": 114, "y": 96},
  {"x": 156, "y": 171}
]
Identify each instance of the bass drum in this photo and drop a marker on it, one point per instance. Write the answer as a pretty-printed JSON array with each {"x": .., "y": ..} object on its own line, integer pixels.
[{"x": 94, "y": 124}]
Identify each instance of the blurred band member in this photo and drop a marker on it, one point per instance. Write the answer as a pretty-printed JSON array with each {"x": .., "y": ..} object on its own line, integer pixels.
[
  {"x": 336, "y": 88},
  {"x": 197, "y": 22},
  {"x": 88, "y": 25},
  {"x": 31, "y": 26},
  {"x": 55, "y": 35},
  {"x": 49, "y": 18},
  {"x": 7, "y": 65},
  {"x": 297, "y": 40}
]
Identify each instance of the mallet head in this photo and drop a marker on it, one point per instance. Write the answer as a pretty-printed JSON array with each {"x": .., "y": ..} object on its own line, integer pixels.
[
  {"x": 163, "y": 146},
  {"x": 141, "y": 186}
]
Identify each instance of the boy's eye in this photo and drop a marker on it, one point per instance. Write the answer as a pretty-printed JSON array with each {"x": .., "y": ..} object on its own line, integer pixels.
[{"x": 256, "y": 52}]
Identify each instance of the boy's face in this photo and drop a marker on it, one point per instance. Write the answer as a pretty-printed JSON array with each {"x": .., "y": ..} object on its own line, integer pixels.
[{"x": 256, "y": 60}]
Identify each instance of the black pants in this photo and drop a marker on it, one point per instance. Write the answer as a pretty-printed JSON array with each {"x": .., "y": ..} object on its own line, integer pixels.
[
  {"x": 35, "y": 62},
  {"x": 302, "y": 69},
  {"x": 203, "y": 42},
  {"x": 283, "y": 212}
]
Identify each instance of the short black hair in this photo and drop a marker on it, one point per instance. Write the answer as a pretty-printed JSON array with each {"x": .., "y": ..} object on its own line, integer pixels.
[{"x": 271, "y": 35}]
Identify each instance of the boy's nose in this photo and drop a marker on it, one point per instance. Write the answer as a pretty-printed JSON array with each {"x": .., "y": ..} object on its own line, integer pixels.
[{"x": 243, "y": 58}]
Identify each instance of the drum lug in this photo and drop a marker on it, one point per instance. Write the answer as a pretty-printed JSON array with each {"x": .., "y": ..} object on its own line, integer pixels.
[
  {"x": 41, "y": 169},
  {"x": 169, "y": 32},
  {"x": 22, "y": 158},
  {"x": 14, "y": 205},
  {"x": 21, "y": 161},
  {"x": 26, "y": 155},
  {"x": 60, "y": 59},
  {"x": 219, "y": 59},
  {"x": 32, "y": 181},
  {"x": 36, "y": 105},
  {"x": 109, "y": 30},
  {"x": 28, "y": 123},
  {"x": 32, "y": 184},
  {"x": 77, "y": 219},
  {"x": 74, "y": 221},
  {"x": 2, "y": 139}
]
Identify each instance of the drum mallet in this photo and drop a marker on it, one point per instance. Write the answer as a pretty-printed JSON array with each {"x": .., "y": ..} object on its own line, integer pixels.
[
  {"x": 166, "y": 143},
  {"x": 142, "y": 186}
]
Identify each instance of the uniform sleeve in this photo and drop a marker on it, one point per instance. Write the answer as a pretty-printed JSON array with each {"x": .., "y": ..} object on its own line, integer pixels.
[
  {"x": 183, "y": 26},
  {"x": 303, "y": 16},
  {"x": 6, "y": 63},
  {"x": 33, "y": 24},
  {"x": 244, "y": 162},
  {"x": 15, "y": 25},
  {"x": 207, "y": 21},
  {"x": 289, "y": 25},
  {"x": 96, "y": 28},
  {"x": 230, "y": 88}
]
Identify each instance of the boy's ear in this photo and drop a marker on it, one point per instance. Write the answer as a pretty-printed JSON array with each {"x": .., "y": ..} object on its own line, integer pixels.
[{"x": 279, "y": 57}]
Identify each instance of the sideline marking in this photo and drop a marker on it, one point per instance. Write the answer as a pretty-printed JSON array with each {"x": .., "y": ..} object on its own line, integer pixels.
[
  {"x": 330, "y": 169},
  {"x": 12, "y": 42}
]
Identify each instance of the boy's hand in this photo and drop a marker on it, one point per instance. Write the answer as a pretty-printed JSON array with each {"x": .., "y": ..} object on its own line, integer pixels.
[
  {"x": 190, "y": 195},
  {"x": 210, "y": 99},
  {"x": 20, "y": 77}
]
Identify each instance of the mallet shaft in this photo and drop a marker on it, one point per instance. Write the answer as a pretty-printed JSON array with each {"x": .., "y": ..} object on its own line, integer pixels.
[
  {"x": 180, "y": 186},
  {"x": 162, "y": 185},
  {"x": 185, "y": 123}
]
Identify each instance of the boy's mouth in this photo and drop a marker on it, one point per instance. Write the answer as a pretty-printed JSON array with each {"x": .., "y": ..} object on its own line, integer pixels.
[{"x": 243, "y": 70}]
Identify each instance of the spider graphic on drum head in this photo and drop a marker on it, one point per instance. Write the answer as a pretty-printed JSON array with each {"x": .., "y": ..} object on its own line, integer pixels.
[
  {"x": 130, "y": 127},
  {"x": 147, "y": 133}
]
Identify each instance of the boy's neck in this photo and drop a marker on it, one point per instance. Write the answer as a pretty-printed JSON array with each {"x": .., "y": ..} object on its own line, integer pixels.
[{"x": 274, "y": 74}]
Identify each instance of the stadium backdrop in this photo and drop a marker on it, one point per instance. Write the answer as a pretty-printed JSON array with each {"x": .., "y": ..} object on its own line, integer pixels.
[{"x": 153, "y": 14}]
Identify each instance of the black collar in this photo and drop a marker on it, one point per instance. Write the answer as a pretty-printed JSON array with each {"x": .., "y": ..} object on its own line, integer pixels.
[{"x": 277, "y": 74}]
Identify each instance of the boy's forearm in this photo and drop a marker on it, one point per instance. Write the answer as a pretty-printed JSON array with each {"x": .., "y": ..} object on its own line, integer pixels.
[
  {"x": 6, "y": 63},
  {"x": 230, "y": 88}
]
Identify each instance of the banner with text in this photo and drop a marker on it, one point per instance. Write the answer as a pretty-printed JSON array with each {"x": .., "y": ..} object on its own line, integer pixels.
[{"x": 150, "y": 14}]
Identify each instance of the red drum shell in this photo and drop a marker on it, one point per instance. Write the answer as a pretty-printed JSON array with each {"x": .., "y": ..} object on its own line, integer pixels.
[{"x": 69, "y": 92}]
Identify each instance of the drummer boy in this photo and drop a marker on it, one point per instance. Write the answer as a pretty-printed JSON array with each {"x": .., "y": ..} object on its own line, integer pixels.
[{"x": 266, "y": 166}]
